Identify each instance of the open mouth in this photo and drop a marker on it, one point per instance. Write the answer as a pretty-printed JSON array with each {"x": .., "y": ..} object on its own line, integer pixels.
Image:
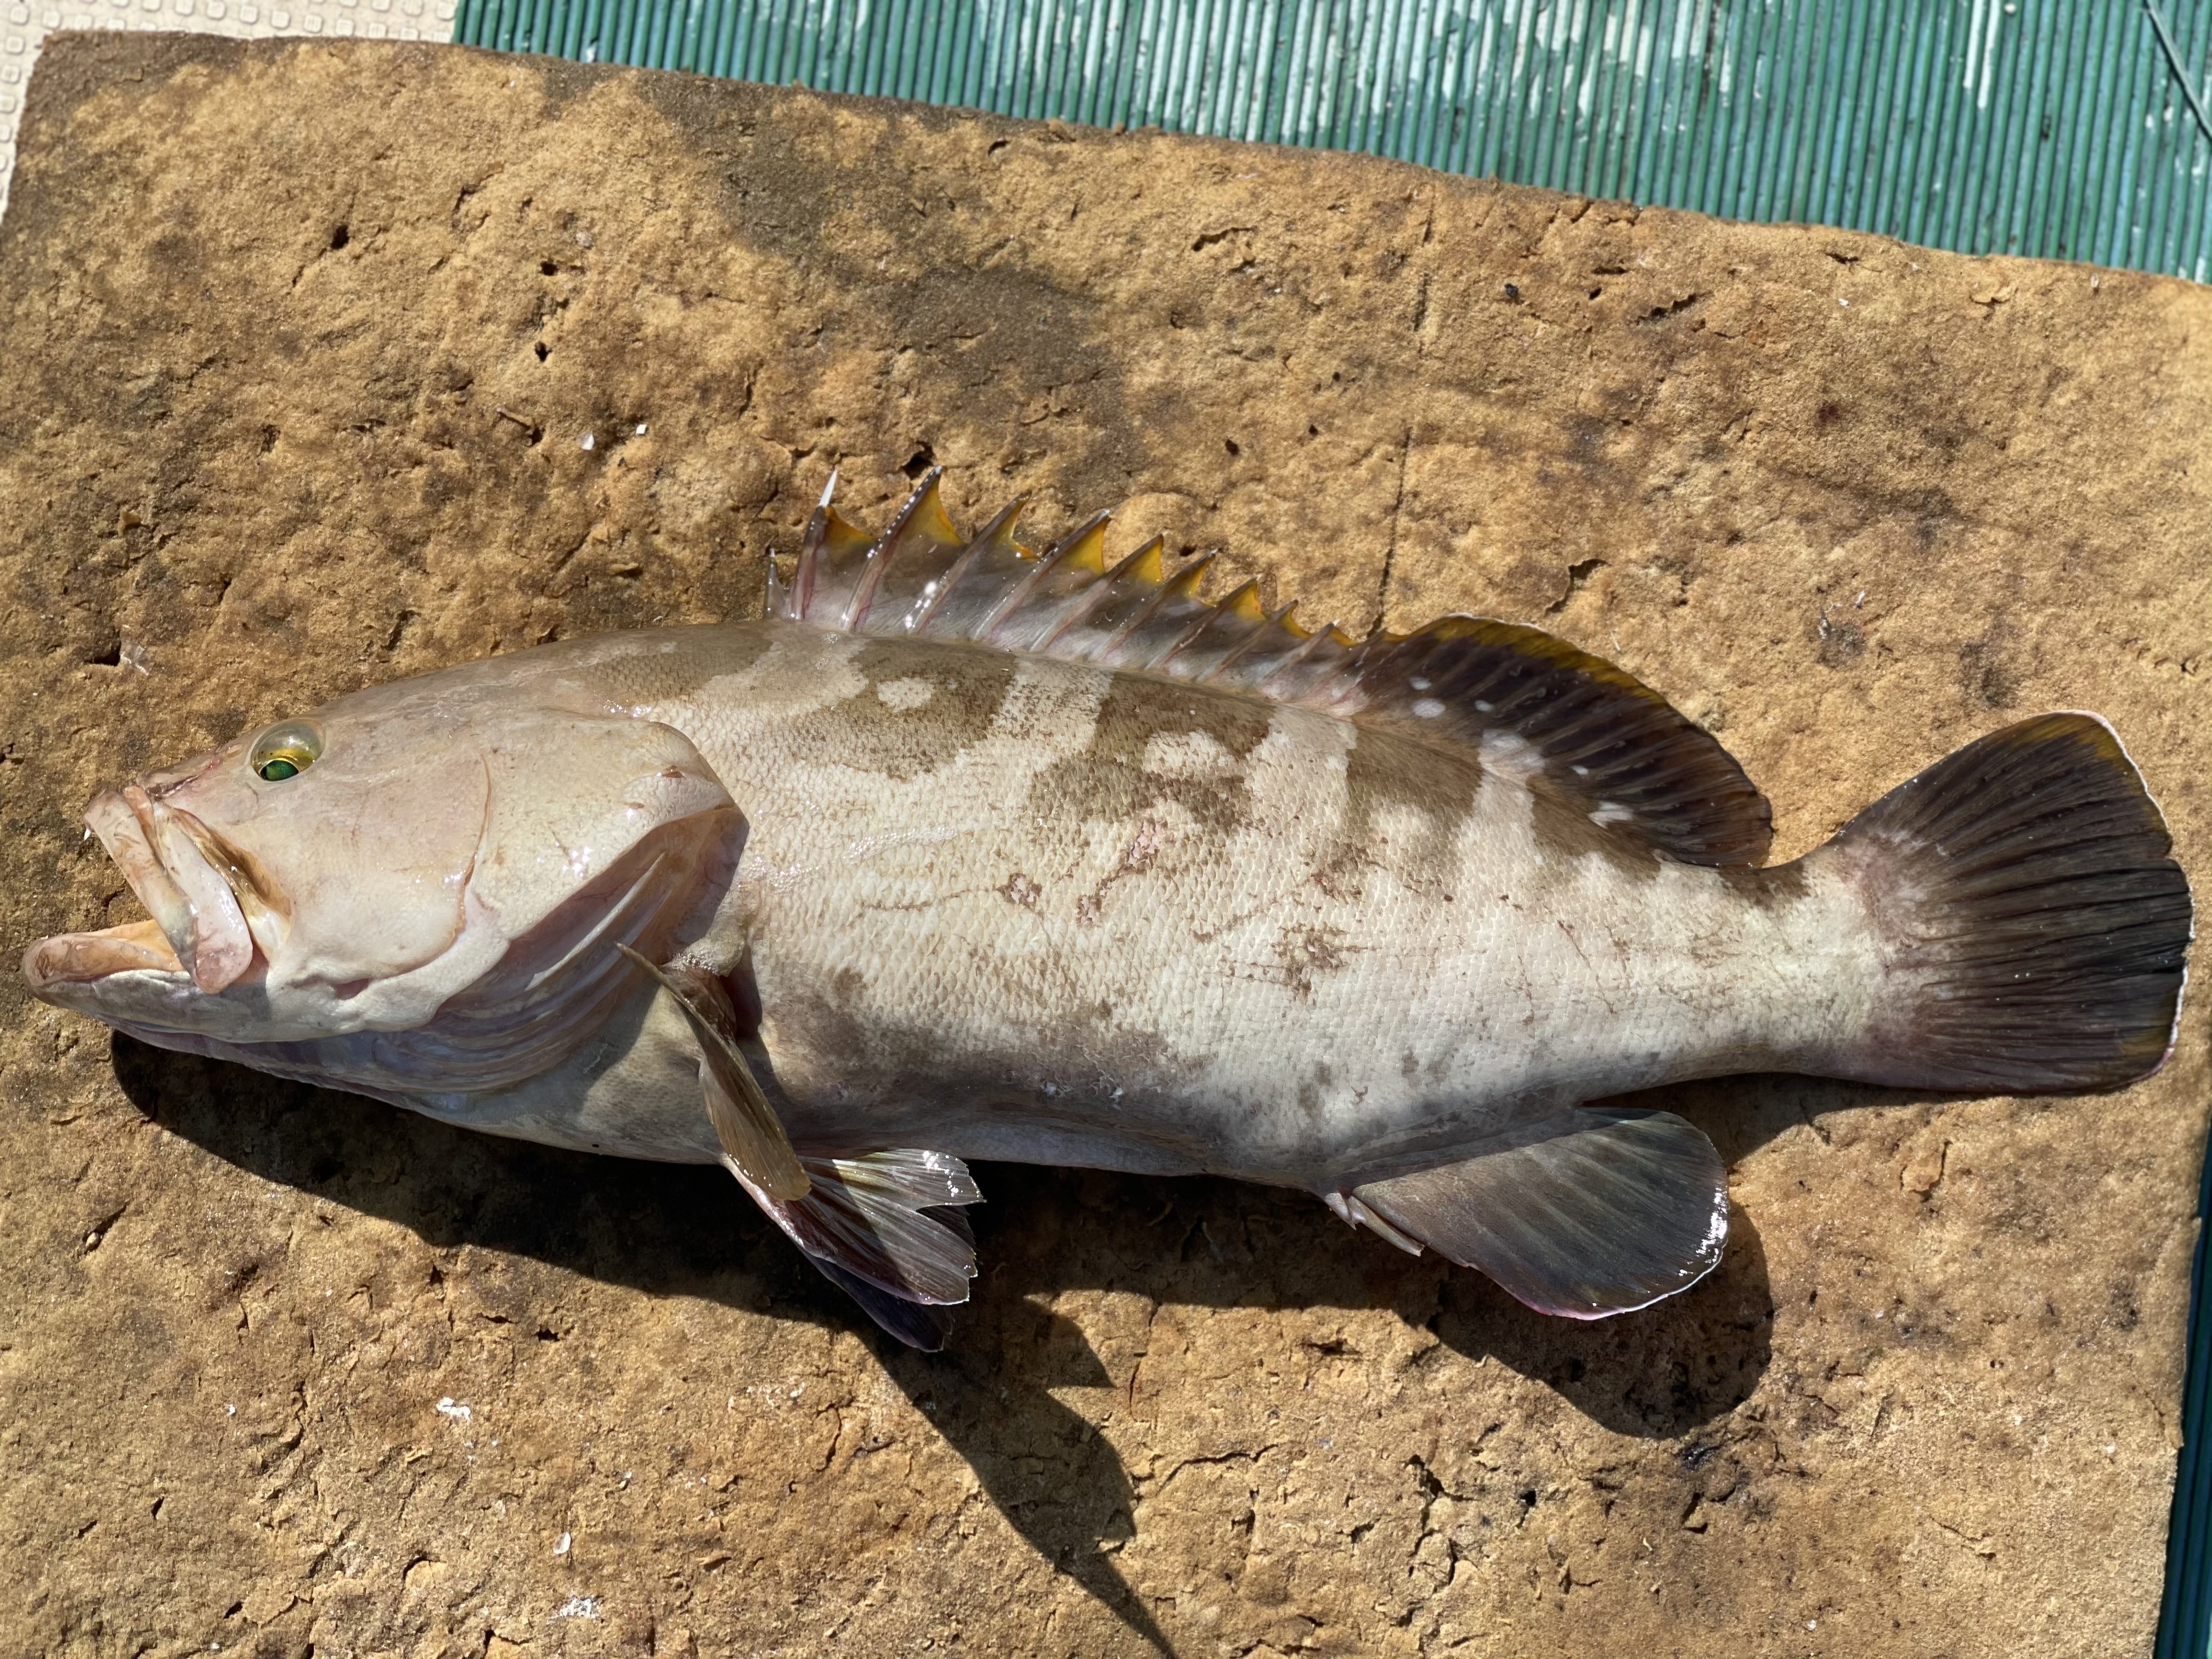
[{"x": 198, "y": 926}]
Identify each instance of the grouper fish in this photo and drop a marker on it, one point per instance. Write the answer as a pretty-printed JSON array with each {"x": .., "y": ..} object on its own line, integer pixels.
[{"x": 967, "y": 851}]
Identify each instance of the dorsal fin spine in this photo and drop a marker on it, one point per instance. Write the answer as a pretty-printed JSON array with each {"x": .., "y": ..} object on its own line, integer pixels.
[
  {"x": 1603, "y": 736},
  {"x": 1184, "y": 584},
  {"x": 1100, "y": 591},
  {"x": 917, "y": 620},
  {"x": 886, "y": 549},
  {"x": 1071, "y": 553},
  {"x": 810, "y": 551},
  {"x": 993, "y": 562},
  {"x": 987, "y": 630},
  {"x": 1296, "y": 659},
  {"x": 1265, "y": 633},
  {"x": 1199, "y": 625},
  {"x": 1148, "y": 564},
  {"x": 1234, "y": 609}
]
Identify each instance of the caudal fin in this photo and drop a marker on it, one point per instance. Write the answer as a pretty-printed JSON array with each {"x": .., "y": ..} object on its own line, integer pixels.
[{"x": 2034, "y": 923}]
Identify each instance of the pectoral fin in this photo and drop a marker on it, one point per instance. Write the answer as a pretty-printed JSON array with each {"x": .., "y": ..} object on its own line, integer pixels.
[
  {"x": 882, "y": 1227},
  {"x": 1587, "y": 1212},
  {"x": 920, "y": 1325},
  {"x": 871, "y": 1214},
  {"x": 754, "y": 1145}
]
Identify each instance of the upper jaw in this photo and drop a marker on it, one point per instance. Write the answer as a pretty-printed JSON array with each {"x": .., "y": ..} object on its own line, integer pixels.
[{"x": 198, "y": 926}]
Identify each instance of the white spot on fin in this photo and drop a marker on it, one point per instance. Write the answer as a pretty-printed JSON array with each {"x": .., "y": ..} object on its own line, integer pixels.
[
  {"x": 1428, "y": 708},
  {"x": 1511, "y": 756}
]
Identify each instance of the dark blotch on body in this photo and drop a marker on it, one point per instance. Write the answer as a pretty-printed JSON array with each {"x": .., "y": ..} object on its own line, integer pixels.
[
  {"x": 1774, "y": 888},
  {"x": 643, "y": 676},
  {"x": 967, "y": 688},
  {"x": 1386, "y": 774},
  {"x": 1108, "y": 783},
  {"x": 1305, "y": 952},
  {"x": 1565, "y": 829}
]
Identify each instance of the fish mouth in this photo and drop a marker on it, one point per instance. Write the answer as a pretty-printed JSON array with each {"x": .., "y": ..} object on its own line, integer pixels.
[{"x": 190, "y": 884}]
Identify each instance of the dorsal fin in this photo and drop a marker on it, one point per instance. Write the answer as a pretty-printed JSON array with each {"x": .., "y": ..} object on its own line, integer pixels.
[
  {"x": 1605, "y": 741},
  {"x": 1587, "y": 734}
]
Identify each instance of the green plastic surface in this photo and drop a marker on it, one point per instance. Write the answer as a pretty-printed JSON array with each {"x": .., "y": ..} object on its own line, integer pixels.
[
  {"x": 2185, "y": 1625},
  {"x": 2069, "y": 128},
  {"x": 2054, "y": 127}
]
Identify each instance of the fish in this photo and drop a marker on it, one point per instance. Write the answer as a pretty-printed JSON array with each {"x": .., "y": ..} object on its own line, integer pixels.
[{"x": 966, "y": 850}]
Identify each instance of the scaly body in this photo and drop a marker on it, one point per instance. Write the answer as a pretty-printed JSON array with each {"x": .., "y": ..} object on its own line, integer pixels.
[{"x": 1032, "y": 910}]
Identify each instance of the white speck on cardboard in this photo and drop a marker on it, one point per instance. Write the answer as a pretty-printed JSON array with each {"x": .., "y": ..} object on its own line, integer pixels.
[{"x": 453, "y": 1408}]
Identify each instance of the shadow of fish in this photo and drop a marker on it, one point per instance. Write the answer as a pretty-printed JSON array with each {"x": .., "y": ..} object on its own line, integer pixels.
[{"x": 964, "y": 851}]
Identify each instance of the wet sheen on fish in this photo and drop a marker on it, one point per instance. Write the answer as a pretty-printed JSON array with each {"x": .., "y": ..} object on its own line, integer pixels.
[{"x": 965, "y": 851}]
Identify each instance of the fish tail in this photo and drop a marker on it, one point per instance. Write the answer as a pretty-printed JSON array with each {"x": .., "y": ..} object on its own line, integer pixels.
[{"x": 2032, "y": 922}]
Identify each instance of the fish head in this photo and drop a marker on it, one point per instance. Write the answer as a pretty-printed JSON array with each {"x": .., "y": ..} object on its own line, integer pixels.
[{"x": 466, "y": 841}]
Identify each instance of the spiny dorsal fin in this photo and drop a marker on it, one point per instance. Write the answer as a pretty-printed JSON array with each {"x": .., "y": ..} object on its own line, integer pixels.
[{"x": 1592, "y": 736}]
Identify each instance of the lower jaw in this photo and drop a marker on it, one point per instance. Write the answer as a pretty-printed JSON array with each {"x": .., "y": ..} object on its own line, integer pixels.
[{"x": 83, "y": 958}]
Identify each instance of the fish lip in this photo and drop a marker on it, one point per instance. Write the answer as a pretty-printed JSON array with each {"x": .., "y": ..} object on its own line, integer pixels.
[
  {"x": 161, "y": 851},
  {"x": 68, "y": 959}
]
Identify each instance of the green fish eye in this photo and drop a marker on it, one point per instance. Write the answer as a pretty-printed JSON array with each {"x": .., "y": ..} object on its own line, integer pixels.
[{"x": 285, "y": 751}]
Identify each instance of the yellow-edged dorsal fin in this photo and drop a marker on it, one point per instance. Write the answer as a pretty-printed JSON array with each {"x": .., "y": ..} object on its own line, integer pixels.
[{"x": 1608, "y": 746}]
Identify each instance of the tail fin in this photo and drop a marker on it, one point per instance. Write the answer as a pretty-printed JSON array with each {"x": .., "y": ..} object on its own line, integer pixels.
[{"x": 2034, "y": 921}]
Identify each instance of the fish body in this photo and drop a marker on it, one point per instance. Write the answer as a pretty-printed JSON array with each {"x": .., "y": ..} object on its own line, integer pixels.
[
  {"x": 1034, "y": 910},
  {"x": 964, "y": 853}
]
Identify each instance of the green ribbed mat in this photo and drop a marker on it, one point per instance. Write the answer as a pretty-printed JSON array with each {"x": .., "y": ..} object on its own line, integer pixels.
[
  {"x": 2184, "y": 1625},
  {"x": 2070, "y": 128},
  {"x": 2063, "y": 127}
]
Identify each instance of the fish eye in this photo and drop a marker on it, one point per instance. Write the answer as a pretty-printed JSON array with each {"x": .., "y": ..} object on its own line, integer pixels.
[{"x": 285, "y": 750}]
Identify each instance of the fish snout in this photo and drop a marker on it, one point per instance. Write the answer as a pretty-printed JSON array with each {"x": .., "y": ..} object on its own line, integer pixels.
[{"x": 164, "y": 853}]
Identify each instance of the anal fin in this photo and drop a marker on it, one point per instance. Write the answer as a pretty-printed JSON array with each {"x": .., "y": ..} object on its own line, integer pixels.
[{"x": 1587, "y": 1213}]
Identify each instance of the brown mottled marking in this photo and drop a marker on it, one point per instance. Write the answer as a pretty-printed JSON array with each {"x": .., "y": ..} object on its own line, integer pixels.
[
  {"x": 1770, "y": 888},
  {"x": 681, "y": 662},
  {"x": 1109, "y": 782},
  {"x": 920, "y": 707},
  {"x": 1386, "y": 775},
  {"x": 1565, "y": 829},
  {"x": 1306, "y": 951}
]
